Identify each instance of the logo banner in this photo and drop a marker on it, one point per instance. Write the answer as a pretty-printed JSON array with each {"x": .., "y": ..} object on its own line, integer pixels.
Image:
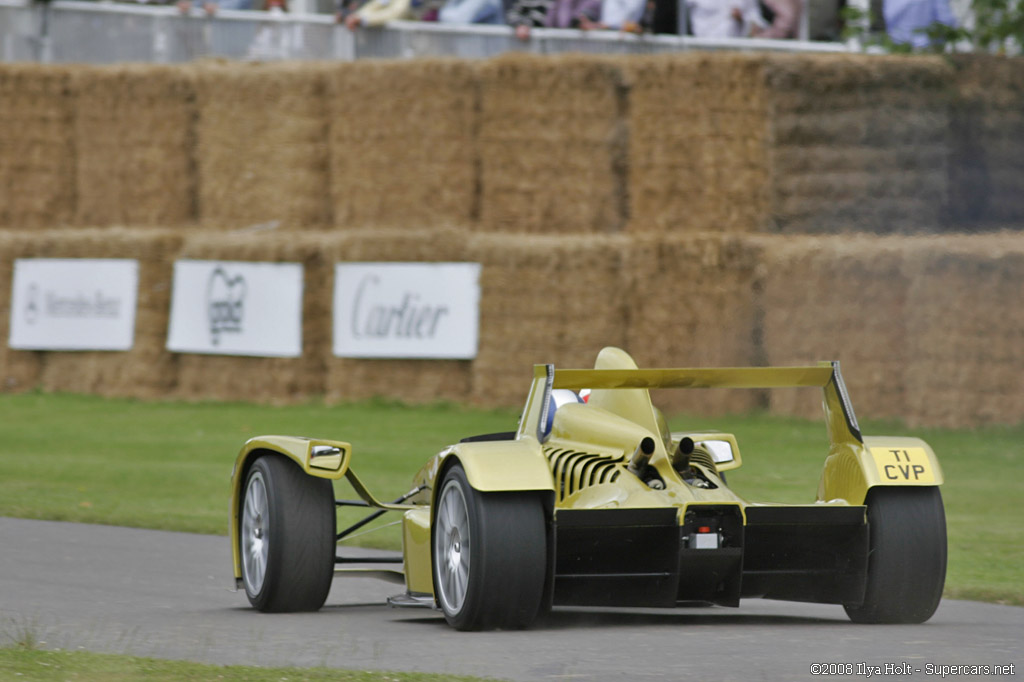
[
  {"x": 406, "y": 310},
  {"x": 236, "y": 308},
  {"x": 73, "y": 304}
]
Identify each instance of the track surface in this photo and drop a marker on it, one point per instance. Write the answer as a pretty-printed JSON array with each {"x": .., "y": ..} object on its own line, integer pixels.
[{"x": 169, "y": 595}]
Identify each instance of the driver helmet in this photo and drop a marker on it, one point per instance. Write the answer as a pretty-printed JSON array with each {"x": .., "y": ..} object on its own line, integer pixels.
[{"x": 559, "y": 397}]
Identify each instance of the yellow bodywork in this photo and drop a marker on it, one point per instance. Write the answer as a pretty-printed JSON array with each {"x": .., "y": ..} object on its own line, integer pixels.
[{"x": 608, "y": 430}]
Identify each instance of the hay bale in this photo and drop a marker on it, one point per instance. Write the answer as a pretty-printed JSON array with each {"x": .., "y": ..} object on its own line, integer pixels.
[
  {"x": 145, "y": 371},
  {"x": 857, "y": 142},
  {"x": 787, "y": 143},
  {"x": 408, "y": 380},
  {"x": 403, "y": 143},
  {"x": 965, "y": 335},
  {"x": 698, "y": 127},
  {"x": 691, "y": 303},
  {"x": 261, "y": 379},
  {"x": 544, "y": 299},
  {"x": 134, "y": 131},
  {"x": 829, "y": 298},
  {"x": 37, "y": 166},
  {"x": 261, "y": 139},
  {"x": 986, "y": 167},
  {"x": 19, "y": 369},
  {"x": 552, "y": 144}
]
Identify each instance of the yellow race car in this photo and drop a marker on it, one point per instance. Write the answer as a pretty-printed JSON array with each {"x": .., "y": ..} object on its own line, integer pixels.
[{"x": 595, "y": 503}]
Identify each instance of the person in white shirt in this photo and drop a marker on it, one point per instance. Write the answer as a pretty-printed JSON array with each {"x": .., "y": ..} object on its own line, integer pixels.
[{"x": 724, "y": 18}]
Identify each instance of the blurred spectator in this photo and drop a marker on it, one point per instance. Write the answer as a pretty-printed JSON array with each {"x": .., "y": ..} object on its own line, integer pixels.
[
  {"x": 724, "y": 18},
  {"x": 472, "y": 12},
  {"x": 211, "y": 6},
  {"x": 572, "y": 13},
  {"x": 905, "y": 20},
  {"x": 625, "y": 15},
  {"x": 664, "y": 16},
  {"x": 783, "y": 17},
  {"x": 355, "y": 14},
  {"x": 275, "y": 40},
  {"x": 523, "y": 15},
  {"x": 185, "y": 6}
]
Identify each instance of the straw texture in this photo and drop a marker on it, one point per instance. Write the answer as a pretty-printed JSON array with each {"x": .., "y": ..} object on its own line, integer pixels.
[
  {"x": 134, "y": 131},
  {"x": 261, "y": 151},
  {"x": 403, "y": 143},
  {"x": 37, "y": 152},
  {"x": 552, "y": 145}
]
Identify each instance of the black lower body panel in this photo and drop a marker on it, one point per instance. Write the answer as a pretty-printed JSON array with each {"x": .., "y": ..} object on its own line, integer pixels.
[
  {"x": 644, "y": 557},
  {"x": 813, "y": 554},
  {"x": 616, "y": 557}
]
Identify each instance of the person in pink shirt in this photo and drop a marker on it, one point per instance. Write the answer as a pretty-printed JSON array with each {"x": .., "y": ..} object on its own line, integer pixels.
[{"x": 574, "y": 13}]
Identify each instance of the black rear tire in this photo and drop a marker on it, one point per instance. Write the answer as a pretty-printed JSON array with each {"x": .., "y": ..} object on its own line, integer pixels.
[
  {"x": 489, "y": 555},
  {"x": 286, "y": 536},
  {"x": 907, "y": 556}
]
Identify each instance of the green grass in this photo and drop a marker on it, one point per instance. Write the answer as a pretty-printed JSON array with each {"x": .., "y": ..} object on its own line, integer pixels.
[
  {"x": 167, "y": 465},
  {"x": 34, "y": 665}
]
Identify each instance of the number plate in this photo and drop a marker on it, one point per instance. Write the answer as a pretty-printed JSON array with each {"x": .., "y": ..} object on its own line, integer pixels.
[{"x": 903, "y": 465}]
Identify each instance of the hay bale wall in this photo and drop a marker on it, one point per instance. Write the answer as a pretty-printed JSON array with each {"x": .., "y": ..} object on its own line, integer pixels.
[
  {"x": 965, "y": 333},
  {"x": 544, "y": 299},
  {"x": 691, "y": 303},
  {"x": 145, "y": 371},
  {"x": 261, "y": 154},
  {"x": 589, "y": 189},
  {"x": 697, "y": 143},
  {"x": 37, "y": 154},
  {"x": 552, "y": 145},
  {"x": 826, "y": 298},
  {"x": 858, "y": 144},
  {"x": 134, "y": 129},
  {"x": 259, "y": 379},
  {"x": 409, "y": 380},
  {"x": 403, "y": 143},
  {"x": 987, "y": 145}
]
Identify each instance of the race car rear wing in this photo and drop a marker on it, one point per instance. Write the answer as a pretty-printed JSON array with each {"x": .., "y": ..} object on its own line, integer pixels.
[{"x": 841, "y": 421}]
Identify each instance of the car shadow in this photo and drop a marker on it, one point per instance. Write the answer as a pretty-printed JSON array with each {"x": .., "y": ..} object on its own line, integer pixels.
[{"x": 568, "y": 618}]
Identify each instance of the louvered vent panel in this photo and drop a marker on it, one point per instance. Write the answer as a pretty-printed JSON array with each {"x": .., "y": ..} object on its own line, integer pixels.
[{"x": 574, "y": 470}]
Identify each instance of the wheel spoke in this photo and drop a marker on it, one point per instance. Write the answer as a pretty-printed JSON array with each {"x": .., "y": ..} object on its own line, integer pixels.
[
  {"x": 254, "y": 535},
  {"x": 451, "y": 548},
  {"x": 461, "y": 580}
]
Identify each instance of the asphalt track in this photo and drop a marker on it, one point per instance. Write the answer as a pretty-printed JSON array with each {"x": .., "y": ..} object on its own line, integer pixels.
[{"x": 170, "y": 595}]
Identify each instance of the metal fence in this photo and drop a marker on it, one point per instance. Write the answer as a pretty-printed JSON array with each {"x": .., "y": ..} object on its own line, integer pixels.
[{"x": 100, "y": 32}]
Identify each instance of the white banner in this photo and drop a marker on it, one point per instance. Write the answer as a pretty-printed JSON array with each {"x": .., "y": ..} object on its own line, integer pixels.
[
  {"x": 406, "y": 310},
  {"x": 73, "y": 304},
  {"x": 235, "y": 308}
]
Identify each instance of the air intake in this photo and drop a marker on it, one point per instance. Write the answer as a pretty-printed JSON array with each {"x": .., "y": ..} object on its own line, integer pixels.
[{"x": 573, "y": 470}]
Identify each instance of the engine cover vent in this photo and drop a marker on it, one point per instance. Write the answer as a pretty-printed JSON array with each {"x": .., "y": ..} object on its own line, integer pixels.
[{"x": 574, "y": 470}]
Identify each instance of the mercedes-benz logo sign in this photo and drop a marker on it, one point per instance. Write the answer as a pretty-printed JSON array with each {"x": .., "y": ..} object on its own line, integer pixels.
[{"x": 32, "y": 306}]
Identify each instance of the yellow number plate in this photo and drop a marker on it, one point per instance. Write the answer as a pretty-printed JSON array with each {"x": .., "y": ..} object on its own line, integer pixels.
[{"x": 903, "y": 465}]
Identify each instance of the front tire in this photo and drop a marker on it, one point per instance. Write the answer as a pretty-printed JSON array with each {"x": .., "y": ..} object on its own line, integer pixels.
[
  {"x": 489, "y": 555},
  {"x": 907, "y": 556},
  {"x": 286, "y": 536}
]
